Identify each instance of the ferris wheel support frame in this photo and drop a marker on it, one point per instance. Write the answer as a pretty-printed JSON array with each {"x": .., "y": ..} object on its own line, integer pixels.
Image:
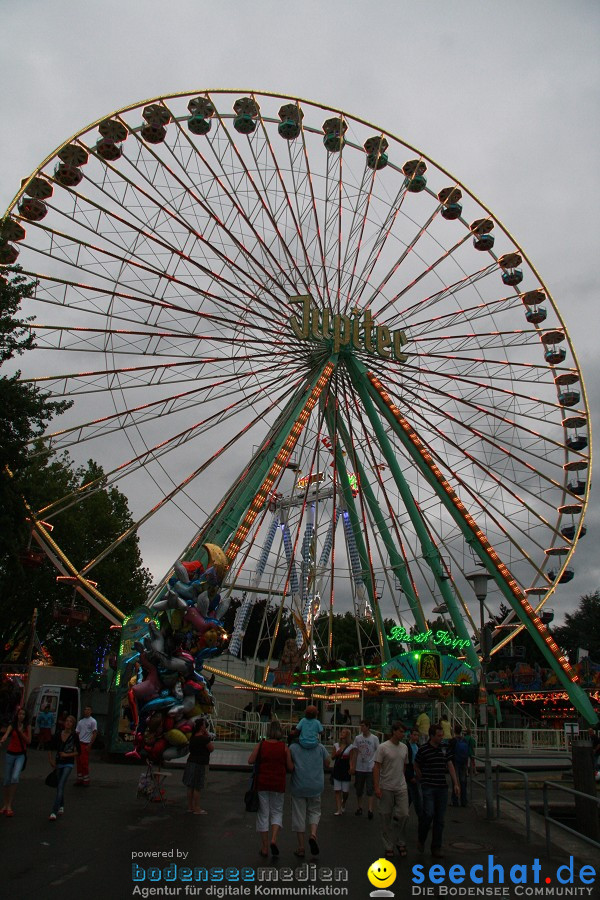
[
  {"x": 358, "y": 534},
  {"x": 431, "y": 553},
  {"x": 371, "y": 389},
  {"x": 398, "y": 565},
  {"x": 231, "y": 515}
]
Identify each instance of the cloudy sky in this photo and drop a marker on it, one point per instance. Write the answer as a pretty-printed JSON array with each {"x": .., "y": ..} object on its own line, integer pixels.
[{"x": 504, "y": 96}]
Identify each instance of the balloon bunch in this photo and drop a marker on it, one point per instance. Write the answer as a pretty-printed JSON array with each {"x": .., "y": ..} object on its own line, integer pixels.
[{"x": 168, "y": 691}]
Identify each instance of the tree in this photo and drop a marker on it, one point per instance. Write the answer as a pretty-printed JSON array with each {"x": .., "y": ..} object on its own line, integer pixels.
[
  {"x": 24, "y": 412},
  {"x": 29, "y": 470},
  {"x": 581, "y": 628},
  {"x": 81, "y": 532}
]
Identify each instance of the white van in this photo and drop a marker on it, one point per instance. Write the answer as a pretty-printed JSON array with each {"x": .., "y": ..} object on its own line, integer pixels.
[{"x": 56, "y": 699}]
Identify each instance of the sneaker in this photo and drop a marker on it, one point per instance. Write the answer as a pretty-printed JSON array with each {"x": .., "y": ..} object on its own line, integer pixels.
[
  {"x": 369, "y": 815},
  {"x": 358, "y": 812},
  {"x": 338, "y": 812},
  {"x": 52, "y": 817},
  {"x": 61, "y": 811}
]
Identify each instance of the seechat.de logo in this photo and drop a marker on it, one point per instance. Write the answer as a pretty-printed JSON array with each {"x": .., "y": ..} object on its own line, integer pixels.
[{"x": 520, "y": 876}]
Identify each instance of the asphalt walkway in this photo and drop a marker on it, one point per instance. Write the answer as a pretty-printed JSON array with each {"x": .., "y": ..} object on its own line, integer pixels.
[{"x": 89, "y": 852}]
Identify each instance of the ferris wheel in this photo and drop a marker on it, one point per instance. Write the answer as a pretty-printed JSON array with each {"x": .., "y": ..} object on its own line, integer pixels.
[{"x": 289, "y": 333}]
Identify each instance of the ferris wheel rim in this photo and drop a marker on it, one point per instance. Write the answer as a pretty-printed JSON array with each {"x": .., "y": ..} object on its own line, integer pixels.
[{"x": 342, "y": 113}]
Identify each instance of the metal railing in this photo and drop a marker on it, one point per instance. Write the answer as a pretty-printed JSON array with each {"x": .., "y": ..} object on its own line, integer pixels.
[
  {"x": 550, "y": 821},
  {"x": 526, "y": 739},
  {"x": 527, "y": 808}
]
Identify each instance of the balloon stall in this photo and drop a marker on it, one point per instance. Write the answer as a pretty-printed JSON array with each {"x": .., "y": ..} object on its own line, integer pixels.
[{"x": 167, "y": 691}]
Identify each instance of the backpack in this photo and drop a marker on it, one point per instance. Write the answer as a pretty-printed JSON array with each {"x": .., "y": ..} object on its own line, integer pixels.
[{"x": 461, "y": 750}]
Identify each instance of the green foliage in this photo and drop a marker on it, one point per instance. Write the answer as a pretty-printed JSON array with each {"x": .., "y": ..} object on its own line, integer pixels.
[
  {"x": 581, "y": 628},
  {"x": 81, "y": 532},
  {"x": 28, "y": 470},
  {"x": 15, "y": 334},
  {"x": 24, "y": 412}
]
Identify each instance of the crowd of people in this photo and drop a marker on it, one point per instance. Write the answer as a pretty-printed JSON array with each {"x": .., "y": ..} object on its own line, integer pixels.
[
  {"x": 410, "y": 768},
  {"x": 69, "y": 746}
]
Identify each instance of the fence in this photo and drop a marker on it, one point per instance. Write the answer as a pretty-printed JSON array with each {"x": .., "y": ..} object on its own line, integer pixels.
[{"x": 526, "y": 739}]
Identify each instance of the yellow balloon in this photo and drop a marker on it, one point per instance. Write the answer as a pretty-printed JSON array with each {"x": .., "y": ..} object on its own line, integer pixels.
[
  {"x": 176, "y": 738},
  {"x": 217, "y": 558},
  {"x": 382, "y": 873}
]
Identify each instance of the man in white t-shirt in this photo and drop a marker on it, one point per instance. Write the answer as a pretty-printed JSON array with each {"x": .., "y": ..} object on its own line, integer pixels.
[
  {"x": 362, "y": 759},
  {"x": 390, "y": 787},
  {"x": 87, "y": 729}
]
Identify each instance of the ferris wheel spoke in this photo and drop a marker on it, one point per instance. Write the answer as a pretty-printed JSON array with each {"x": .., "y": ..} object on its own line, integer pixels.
[
  {"x": 490, "y": 387},
  {"x": 134, "y": 417},
  {"x": 128, "y": 341},
  {"x": 84, "y": 492},
  {"x": 378, "y": 245},
  {"x": 501, "y": 481},
  {"x": 489, "y": 410},
  {"x": 438, "y": 297},
  {"x": 409, "y": 249},
  {"x": 309, "y": 281},
  {"x": 486, "y": 310},
  {"x": 170, "y": 210},
  {"x": 307, "y": 215},
  {"x": 510, "y": 449},
  {"x": 332, "y": 223},
  {"x": 155, "y": 244},
  {"x": 428, "y": 270},
  {"x": 261, "y": 206},
  {"x": 218, "y": 223},
  {"x": 98, "y": 258},
  {"x": 457, "y": 343},
  {"x": 55, "y": 291},
  {"x": 137, "y": 377},
  {"x": 356, "y": 232}
]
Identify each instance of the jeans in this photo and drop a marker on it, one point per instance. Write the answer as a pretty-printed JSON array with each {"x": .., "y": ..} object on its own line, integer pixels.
[
  {"x": 63, "y": 774},
  {"x": 12, "y": 768},
  {"x": 461, "y": 774},
  {"x": 415, "y": 797},
  {"x": 435, "y": 800}
]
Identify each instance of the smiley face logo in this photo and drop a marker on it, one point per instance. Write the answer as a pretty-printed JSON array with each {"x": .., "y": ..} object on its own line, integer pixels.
[{"x": 382, "y": 873}]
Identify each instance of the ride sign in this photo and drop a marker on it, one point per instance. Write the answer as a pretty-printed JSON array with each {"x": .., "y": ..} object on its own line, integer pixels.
[
  {"x": 357, "y": 330},
  {"x": 439, "y": 638}
]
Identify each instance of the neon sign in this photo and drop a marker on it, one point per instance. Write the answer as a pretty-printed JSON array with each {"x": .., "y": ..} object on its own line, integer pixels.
[
  {"x": 438, "y": 639},
  {"x": 307, "y": 480},
  {"x": 357, "y": 330}
]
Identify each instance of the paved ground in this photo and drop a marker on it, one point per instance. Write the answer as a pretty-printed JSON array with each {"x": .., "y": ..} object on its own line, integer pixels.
[{"x": 88, "y": 852}]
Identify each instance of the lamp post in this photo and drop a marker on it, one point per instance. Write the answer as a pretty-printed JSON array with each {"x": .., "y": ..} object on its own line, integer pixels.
[{"x": 479, "y": 581}]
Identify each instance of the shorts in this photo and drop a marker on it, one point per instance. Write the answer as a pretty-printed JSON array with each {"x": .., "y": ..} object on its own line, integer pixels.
[
  {"x": 270, "y": 810},
  {"x": 13, "y": 765},
  {"x": 341, "y": 785},
  {"x": 194, "y": 776},
  {"x": 364, "y": 780},
  {"x": 305, "y": 810}
]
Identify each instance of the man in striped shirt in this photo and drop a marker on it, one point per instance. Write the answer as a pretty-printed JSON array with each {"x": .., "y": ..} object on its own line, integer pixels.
[{"x": 432, "y": 762}]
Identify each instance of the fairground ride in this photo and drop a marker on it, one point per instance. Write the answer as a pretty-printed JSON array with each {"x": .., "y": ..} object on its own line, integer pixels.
[{"x": 250, "y": 297}]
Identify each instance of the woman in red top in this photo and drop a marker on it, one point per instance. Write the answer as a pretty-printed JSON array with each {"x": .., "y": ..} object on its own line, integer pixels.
[
  {"x": 18, "y": 735},
  {"x": 274, "y": 761}
]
